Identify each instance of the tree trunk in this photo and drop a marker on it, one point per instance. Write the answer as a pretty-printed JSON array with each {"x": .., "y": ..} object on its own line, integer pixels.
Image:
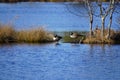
[
  {"x": 91, "y": 23},
  {"x": 103, "y": 26},
  {"x": 109, "y": 25},
  {"x": 90, "y": 15},
  {"x": 111, "y": 15}
]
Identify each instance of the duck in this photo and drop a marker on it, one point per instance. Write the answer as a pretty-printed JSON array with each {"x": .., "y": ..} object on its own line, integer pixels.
[
  {"x": 56, "y": 38},
  {"x": 74, "y": 35}
]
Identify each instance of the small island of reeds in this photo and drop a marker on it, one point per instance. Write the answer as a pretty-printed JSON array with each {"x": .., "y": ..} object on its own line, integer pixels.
[
  {"x": 96, "y": 38},
  {"x": 39, "y": 35},
  {"x": 9, "y": 35}
]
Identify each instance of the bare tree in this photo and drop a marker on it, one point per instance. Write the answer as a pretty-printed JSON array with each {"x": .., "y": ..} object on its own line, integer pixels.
[
  {"x": 108, "y": 11},
  {"x": 104, "y": 12},
  {"x": 112, "y": 8},
  {"x": 88, "y": 11}
]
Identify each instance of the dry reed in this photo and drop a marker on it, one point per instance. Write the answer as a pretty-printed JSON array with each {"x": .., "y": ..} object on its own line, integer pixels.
[
  {"x": 96, "y": 37},
  {"x": 9, "y": 34},
  {"x": 33, "y": 35}
]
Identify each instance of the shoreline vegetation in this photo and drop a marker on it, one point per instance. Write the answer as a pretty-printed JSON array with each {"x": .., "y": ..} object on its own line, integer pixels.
[
  {"x": 39, "y": 35},
  {"x": 95, "y": 39},
  {"x": 9, "y": 35}
]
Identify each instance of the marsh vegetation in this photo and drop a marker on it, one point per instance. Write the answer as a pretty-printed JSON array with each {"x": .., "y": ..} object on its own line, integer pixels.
[{"x": 8, "y": 34}]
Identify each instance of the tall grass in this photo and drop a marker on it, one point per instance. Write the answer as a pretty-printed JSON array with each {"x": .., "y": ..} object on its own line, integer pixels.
[
  {"x": 33, "y": 35},
  {"x": 96, "y": 38},
  {"x": 9, "y": 34}
]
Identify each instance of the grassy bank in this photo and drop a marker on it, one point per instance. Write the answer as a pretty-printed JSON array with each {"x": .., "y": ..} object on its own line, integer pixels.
[
  {"x": 8, "y": 35},
  {"x": 95, "y": 39},
  {"x": 67, "y": 39},
  {"x": 39, "y": 35}
]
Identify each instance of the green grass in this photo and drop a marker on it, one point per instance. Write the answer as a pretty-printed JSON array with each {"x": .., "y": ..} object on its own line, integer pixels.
[{"x": 67, "y": 38}]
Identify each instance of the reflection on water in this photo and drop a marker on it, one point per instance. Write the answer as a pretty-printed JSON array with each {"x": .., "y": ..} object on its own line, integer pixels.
[{"x": 61, "y": 62}]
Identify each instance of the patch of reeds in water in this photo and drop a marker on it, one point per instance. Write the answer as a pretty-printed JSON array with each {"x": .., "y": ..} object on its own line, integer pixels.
[
  {"x": 39, "y": 35},
  {"x": 96, "y": 38},
  {"x": 33, "y": 35},
  {"x": 9, "y": 34}
]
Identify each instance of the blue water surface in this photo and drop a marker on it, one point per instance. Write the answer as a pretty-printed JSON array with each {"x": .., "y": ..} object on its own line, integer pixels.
[{"x": 59, "y": 62}]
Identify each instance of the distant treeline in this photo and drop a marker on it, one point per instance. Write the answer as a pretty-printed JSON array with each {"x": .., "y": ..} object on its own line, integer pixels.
[{"x": 12, "y": 1}]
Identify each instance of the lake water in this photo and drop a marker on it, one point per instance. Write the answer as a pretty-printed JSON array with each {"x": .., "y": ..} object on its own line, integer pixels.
[
  {"x": 52, "y": 16},
  {"x": 49, "y": 61},
  {"x": 59, "y": 62}
]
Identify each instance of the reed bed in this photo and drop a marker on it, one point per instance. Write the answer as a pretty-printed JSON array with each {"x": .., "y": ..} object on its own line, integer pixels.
[
  {"x": 33, "y": 35},
  {"x": 8, "y": 34},
  {"x": 96, "y": 38},
  {"x": 39, "y": 35}
]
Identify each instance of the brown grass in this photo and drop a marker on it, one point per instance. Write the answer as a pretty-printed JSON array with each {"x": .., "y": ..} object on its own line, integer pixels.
[
  {"x": 9, "y": 34},
  {"x": 98, "y": 41},
  {"x": 33, "y": 35},
  {"x": 96, "y": 38}
]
